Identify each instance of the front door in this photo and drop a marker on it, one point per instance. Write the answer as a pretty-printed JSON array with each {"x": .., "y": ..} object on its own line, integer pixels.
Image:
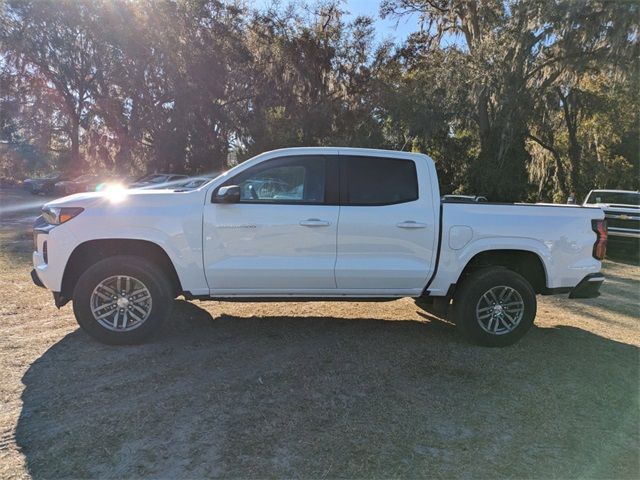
[{"x": 280, "y": 238}]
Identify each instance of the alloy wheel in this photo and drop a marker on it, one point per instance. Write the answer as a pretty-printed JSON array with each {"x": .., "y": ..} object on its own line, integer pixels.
[
  {"x": 121, "y": 303},
  {"x": 500, "y": 310}
]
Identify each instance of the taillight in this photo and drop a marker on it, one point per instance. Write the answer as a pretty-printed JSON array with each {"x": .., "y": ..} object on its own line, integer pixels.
[{"x": 600, "y": 247}]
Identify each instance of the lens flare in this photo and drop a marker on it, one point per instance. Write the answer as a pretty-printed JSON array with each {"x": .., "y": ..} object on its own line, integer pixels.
[
  {"x": 115, "y": 192},
  {"x": 20, "y": 208}
]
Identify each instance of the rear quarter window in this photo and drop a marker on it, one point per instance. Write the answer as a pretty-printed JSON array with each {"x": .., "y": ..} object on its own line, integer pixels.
[{"x": 379, "y": 181}]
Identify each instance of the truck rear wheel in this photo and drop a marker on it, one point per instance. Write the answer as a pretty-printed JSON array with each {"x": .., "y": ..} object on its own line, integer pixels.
[
  {"x": 122, "y": 300},
  {"x": 494, "y": 307}
]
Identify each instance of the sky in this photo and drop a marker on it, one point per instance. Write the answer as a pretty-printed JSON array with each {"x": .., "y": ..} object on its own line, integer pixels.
[
  {"x": 393, "y": 29},
  {"x": 397, "y": 29}
]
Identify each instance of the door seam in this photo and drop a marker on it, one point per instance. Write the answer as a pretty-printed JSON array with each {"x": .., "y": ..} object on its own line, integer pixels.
[{"x": 335, "y": 261}]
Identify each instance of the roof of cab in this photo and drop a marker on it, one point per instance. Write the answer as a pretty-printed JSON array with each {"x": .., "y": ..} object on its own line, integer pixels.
[{"x": 345, "y": 151}]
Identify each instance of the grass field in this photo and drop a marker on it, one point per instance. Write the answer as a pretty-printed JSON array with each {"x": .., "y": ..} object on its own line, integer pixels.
[{"x": 315, "y": 390}]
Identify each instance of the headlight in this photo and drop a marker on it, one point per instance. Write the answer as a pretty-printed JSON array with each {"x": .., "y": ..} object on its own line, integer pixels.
[{"x": 58, "y": 215}]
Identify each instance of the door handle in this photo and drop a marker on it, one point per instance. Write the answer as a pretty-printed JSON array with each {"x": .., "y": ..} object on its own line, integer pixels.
[
  {"x": 411, "y": 224},
  {"x": 314, "y": 222}
]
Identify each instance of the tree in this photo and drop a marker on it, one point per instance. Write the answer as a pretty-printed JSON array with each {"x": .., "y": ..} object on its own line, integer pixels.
[
  {"x": 515, "y": 51},
  {"x": 518, "y": 100},
  {"x": 51, "y": 44},
  {"x": 312, "y": 80}
]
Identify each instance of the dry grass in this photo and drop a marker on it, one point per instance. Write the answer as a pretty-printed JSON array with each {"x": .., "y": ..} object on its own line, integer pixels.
[{"x": 321, "y": 390}]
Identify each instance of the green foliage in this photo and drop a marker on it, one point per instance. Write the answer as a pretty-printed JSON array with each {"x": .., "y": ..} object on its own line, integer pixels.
[{"x": 517, "y": 100}]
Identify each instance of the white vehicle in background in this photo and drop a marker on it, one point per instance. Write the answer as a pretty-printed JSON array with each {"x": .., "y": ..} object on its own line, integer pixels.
[
  {"x": 314, "y": 223},
  {"x": 192, "y": 183},
  {"x": 622, "y": 212},
  {"x": 159, "y": 180}
]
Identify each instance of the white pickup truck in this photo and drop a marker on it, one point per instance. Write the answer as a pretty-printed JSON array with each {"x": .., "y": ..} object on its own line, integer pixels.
[
  {"x": 314, "y": 223},
  {"x": 622, "y": 211}
]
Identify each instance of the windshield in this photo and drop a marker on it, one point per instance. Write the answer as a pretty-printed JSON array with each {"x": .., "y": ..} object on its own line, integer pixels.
[{"x": 622, "y": 198}]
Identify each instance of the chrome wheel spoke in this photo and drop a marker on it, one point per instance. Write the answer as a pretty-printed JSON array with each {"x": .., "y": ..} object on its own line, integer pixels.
[
  {"x": 104, "y": 297},
  {"x": 103, "y": 315},
  {"x": 512, "y": 318},
  {"x": 505, "y": 295},
  {"x": 139, "y": 309},
  {"x": 106, "y": 289},
  {"x": 511, "y": 304},
  {"x": 496, "y": 325},
  {"x": 141, "y": 300},
  {"x": 134, "y": 316},
  {"x": 108, "y": 306},
  {"x": 105, "y": 292},
  {"x": 509, "y": 319},
  {"x": 494, "y": 298},
  {"x": 490, "y": 324}
]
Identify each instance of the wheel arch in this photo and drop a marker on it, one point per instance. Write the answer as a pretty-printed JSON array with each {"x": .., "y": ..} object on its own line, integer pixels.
[
  {"x": 524, "y": 262},
  {"x": 92, "y": 251}
]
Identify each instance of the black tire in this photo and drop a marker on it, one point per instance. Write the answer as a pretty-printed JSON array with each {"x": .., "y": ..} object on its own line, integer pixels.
[
  {"x": 144, "y": 271},
  {"x": 469, "y": 295}
]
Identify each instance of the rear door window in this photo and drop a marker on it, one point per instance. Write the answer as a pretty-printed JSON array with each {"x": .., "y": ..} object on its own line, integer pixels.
[{"x": 378, "y": 181}]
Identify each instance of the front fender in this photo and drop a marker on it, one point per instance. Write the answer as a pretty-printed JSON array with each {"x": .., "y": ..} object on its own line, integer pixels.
[{"x": 185, "y": 256}]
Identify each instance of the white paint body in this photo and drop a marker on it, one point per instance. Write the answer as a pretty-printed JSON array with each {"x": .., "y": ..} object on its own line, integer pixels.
[{"x": 265, "y": 250}]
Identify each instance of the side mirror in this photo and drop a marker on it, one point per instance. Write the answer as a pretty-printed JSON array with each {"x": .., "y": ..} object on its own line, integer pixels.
[{"x": 228, "y": 194}]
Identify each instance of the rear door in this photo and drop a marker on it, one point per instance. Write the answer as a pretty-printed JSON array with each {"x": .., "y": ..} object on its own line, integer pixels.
[
  {"x": 280, "y": 238},
  {"x": 387, "y": 232}
]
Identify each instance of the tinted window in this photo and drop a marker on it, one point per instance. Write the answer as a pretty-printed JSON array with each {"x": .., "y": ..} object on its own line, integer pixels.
[
  {"x": 285, "y": 180},
  {"x": 380, "y": 181}
]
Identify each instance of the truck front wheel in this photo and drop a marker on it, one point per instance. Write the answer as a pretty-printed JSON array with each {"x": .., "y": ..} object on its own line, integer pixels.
[
  {"x": 122, "y": 300},
  {"x": 494, "y": 307}
]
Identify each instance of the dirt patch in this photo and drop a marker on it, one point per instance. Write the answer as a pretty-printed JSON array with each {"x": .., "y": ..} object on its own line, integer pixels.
[{"x": 321, "y": 390}]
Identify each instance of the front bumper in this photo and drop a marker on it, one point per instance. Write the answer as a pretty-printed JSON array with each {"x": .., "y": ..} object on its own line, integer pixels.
[
  {"x": 58, "y": 299},
  {"x": 589, "y": 286},
  {"x": 36, "y": 279}
]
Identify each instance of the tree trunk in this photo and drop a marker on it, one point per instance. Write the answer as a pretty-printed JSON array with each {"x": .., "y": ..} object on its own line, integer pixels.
[
  {"x": 500, "y": 171},
  {"x": 575, "y": 156},
  {"x": 75, "y": 162},
  {"x": 560, "y": 175},
  {"x": 574, "y": 150}
]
